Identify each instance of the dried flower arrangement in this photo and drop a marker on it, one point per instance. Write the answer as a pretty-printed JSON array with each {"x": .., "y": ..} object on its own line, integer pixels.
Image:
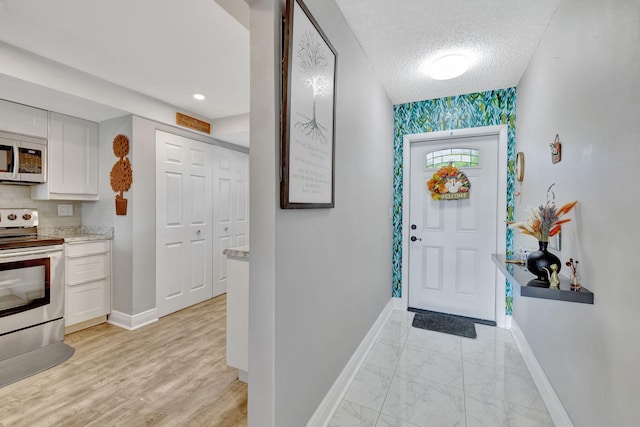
[
  {"x": 575, "y": 284},
  {"x": 544, "y": 221}
]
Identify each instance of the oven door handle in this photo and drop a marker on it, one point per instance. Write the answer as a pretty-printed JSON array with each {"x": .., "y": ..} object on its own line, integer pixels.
[{"x": 31, "y": 252}]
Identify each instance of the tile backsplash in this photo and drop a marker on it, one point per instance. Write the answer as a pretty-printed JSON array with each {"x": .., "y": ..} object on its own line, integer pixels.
[{"x": 19, "y": 196}]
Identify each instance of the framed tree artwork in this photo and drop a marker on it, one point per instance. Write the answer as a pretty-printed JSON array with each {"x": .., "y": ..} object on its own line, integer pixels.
[{"x": 308, "y": 113}]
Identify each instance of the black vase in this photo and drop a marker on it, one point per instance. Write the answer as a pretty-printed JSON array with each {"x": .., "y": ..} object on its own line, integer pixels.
[{"x": 537, "y": 262}]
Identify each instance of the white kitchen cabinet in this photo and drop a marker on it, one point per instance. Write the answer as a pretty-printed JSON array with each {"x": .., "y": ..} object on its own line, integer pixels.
[
  {"x": 72, "y": 166},
  {"x": 22, "y": 119},
  {"x": 87, "y": 283}
]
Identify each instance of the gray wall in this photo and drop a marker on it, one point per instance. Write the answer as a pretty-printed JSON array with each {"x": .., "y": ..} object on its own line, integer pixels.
[
  {"x": 323, "y": 275},
  {"x": 583, "y": 84},
  {"x": 143, "y": 214}
]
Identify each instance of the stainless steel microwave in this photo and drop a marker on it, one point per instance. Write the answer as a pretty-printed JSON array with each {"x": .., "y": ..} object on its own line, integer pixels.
[{"x": 23, "y": 159}]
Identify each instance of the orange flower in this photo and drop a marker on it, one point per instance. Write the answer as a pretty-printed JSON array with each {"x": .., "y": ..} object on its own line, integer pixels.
[{"x": 565, "y": 209}]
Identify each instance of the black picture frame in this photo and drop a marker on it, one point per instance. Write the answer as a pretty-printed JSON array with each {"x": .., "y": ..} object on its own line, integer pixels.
[{"x": 307, "y": 169}]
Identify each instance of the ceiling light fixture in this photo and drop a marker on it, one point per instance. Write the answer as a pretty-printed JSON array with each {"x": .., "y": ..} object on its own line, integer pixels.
[
  {"x": 448, "y": 66},
  {"x": 198, "y": 96}
]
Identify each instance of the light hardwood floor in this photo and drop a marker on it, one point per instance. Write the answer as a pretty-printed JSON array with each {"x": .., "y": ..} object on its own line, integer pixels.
[{"x": 169, "y": 373}]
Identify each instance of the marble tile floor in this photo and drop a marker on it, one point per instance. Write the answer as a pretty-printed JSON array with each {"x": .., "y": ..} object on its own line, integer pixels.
[{"x": 418, "y": 378}]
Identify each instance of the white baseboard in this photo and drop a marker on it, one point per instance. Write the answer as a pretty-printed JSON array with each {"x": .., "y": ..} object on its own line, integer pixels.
[
  {"x": 507, "y": 322},
  {"x": 554, "y": 406},
  {"x": 322, "y": 416},
  {"x": 133, "y": 321}
]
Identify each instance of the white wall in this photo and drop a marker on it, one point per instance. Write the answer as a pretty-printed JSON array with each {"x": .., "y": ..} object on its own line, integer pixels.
[
  {"x": 583, "y": 84},
  {"x": 319, "y": 278},
  {"x": 233, "y": 129}
]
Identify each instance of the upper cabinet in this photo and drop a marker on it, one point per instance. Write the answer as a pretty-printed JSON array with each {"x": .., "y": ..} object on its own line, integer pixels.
[
  {"x": 73, "y": 160},
  {"x": 18, "y": 118}
]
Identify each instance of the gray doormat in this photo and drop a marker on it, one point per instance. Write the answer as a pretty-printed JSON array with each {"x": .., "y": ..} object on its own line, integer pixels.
[
  {"x": 25, "y": 365},
  {"x": 448, "y": 324}
]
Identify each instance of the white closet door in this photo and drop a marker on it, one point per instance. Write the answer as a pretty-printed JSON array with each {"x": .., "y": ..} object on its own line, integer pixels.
[
  {"x": 184, "y": 272},
  {"x": 231, "y": 209}
]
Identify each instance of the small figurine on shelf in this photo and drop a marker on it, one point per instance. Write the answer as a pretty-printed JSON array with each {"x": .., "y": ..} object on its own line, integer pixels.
[
  {"x": 575, "y": 279},
  {"x": 554, "y": 280}
]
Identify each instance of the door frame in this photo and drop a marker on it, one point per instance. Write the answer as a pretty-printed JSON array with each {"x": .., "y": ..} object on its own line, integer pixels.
[{"x": 437, "y": 137}]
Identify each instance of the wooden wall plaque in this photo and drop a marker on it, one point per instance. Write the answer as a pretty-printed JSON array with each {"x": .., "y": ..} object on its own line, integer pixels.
[{"x": 192, "y": 123}]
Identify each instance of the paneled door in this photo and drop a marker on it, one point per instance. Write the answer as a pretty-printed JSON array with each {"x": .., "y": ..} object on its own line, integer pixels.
[
  {"x": 230, "y": 209},
  {"x": 450, "y": 267},
  {"x": 184, "y": 271}
]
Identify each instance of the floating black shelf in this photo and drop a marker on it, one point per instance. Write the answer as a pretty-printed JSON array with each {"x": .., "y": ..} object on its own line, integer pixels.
[{"x": 519, "y": 277}]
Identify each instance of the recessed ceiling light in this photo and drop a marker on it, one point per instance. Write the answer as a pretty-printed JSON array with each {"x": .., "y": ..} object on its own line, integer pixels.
[
  {"x": 198, "y": 96},
  {"x": 448, "y": 66}
]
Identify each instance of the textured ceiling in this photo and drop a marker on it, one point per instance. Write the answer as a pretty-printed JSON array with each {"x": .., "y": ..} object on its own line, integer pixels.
[
  {"x": 398, "y": 35},
  {"x": 166, "y": 49}
]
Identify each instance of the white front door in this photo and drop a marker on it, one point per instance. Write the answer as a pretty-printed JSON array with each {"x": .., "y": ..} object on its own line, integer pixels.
[
  {"x": 183, "y": 222},
  {"x": 230, "y": 209},
  {"x": 450, "y": 267}
]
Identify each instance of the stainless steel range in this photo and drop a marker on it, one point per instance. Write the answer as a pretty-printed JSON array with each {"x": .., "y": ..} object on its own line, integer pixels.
[{"x": 31, "y": 285}]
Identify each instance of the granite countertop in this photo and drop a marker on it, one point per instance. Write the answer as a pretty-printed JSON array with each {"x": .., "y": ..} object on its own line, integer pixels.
[
  {"x": 78, "y": 234},
  {"x": 237, "y": 252}
]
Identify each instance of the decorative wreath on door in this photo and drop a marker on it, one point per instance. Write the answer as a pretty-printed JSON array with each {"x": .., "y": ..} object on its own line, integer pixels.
[{"x": 449, "y": 183}]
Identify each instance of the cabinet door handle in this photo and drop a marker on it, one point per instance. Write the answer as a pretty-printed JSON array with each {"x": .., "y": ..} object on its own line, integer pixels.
[{"x": 16, "y": 160}]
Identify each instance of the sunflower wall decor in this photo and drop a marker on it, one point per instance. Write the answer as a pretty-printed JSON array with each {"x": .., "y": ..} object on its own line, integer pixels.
[{"x": 121, "y": 173}]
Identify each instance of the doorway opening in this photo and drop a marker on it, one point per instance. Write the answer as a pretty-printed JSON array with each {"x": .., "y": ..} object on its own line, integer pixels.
[{"x": 494, "y": 138}]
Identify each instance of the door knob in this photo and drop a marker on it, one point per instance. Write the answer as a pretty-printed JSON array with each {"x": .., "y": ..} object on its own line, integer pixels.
[
  {"x": 413, "y": 226},
  {"x": 226, "y": 229},
  {"x": 198, "y": 232},
  {"x": 414, "y": 238}
]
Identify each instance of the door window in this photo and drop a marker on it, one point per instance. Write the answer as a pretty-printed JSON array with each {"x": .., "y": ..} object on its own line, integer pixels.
[{"x": 459, "y": 157}]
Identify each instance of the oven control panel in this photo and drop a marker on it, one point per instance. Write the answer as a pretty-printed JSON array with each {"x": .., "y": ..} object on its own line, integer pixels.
[{"x": 18, "y": 218}]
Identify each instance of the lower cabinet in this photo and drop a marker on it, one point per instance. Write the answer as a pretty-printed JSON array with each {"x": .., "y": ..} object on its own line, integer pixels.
[
  {"x": 87, "y": 283},
  {"x": 238, "y": 315}
]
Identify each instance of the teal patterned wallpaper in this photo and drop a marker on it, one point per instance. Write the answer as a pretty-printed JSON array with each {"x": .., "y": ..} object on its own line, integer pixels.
[{"x": 455, "y": 112}]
